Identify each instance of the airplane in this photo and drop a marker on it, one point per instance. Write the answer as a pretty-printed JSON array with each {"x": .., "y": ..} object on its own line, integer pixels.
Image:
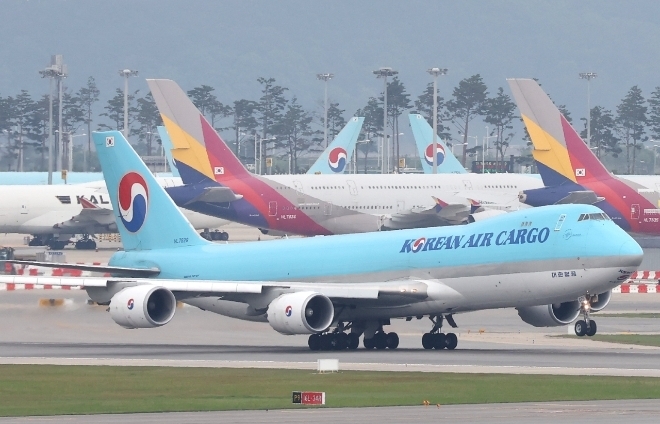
[
  {"x": 334, "y": 159},
  {"x": 167, "y": 149},
  {"x": 217, "y": 183},
  {"x": 572, "y": 173},
  {"x": 423, "y": 135},
  {"x": 53, "y": 214},
  {"x": 325, "y": 286}
]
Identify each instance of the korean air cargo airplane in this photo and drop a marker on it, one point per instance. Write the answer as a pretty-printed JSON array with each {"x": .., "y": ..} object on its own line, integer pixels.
[
  {"x": 217, "y": 184},
  {"x": 423, "y": 134},
  {"x": 572, "y": 173},
  {"x": 552, "y": 264}
]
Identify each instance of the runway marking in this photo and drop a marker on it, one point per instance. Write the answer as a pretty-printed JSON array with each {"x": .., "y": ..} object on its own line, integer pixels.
[{"x": 343, "y": 366}]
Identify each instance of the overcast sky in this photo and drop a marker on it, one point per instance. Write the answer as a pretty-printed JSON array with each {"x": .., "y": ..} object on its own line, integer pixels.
[{"x": 229, "y": 44}]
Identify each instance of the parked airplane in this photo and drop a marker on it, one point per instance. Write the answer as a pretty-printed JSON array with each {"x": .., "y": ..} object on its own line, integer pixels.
[
  {"x": 167, "y": 149},
  {"x": 522, "y": 260},
  {"x": 53, "y": 214},
  {"x": 571, "y": 172},
  {"x": 423, "y": 135},
  {"x": 334, "y": 159},
  {"x": 218, "y": 184}
]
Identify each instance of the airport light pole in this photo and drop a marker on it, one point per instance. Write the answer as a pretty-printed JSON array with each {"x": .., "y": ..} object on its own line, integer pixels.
[
  {"x": 56, "y": 71},
  {"x": 126, "y": 73},
  {"x": 588, "y": 76},
  {"x": 435, "y": 72},
  {"x": 384, "y": 73},
  {"x": 325, "y": 78},
  {"x": 655, "y": 154}
]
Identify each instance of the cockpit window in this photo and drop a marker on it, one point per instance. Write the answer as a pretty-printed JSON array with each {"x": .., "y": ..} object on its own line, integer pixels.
[{"x": 594, "y": 216}]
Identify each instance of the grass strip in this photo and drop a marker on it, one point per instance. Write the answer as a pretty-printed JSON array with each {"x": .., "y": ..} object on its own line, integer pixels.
[
  {"x": 628, "y": 315},
  {"x": 634, "y": 339},
  {"x": 53, "y": 390}
]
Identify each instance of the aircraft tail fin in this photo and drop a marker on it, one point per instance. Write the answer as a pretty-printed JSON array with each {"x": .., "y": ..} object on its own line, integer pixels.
[
  {"x": 335, "y": 157},
  {"x": 146, "y": 216},
  {"x": 167, "y": 149},
  {"x": 559, "y": 151},
  {"x": 199, "y": 152},
  {"x": 423, "y": 134}
]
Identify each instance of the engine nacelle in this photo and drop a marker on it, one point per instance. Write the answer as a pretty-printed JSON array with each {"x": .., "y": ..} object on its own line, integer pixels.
[
  {"x": 301, "y": 313},
  {"x": 486, "y": 214},
  {"x": 144, "y": 306},
  {"x": 602, "y": 302},
  {"x": 552, "y": 315}
]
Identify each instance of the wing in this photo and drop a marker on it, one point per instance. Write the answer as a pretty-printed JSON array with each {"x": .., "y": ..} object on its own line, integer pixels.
[
  {"x": 260, "y": 293},
  {"x": 91, "y": 219},
  {"x": 448, "y": 211},
  {"x": 116, "y": 270}
]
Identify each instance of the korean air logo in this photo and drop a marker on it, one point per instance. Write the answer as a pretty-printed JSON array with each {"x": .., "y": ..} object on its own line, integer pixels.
[
  {"x": 133, "y": 199},
  {"x": 418, "y": 244},
  {"x": 130, "y": 304},
  {"x": 288, "y": 311},
  {"x": 428, "y": 154},
  {"x": 337, "y": 159}
]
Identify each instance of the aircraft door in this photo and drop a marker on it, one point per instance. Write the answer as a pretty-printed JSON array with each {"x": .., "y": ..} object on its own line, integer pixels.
[
  {"x": 634, "y": 211},
  {"x": 352, "y": 187},
  {"x": 467, "y": 184},
  {"x": 300, "y": 193},
  {"x": 23, "y": 210},
  {"x": 400, "y": 205},
  {"x": 327, "y": 209},
  {"x": 272, "y": 208}
]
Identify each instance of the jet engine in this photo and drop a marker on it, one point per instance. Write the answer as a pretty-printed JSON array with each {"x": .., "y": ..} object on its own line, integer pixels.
[
  {"x": 600, "y": 302},
  {"x": 144, "y": 306},
  {"x": 301, "y": 313},
  {"x": 552, "y": 315},
  {"x": 486, "y": 214}
]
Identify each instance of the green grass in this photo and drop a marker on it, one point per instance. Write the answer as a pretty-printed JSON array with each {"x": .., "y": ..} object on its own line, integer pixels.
[
  {"x": 634, "y": 339},
  {"x": 629, "y": 315},
  {"x": 52, "y": 390}
]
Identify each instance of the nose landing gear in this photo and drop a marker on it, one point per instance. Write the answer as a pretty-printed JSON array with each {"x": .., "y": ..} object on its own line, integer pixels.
[{"x": 586, "y": 326}]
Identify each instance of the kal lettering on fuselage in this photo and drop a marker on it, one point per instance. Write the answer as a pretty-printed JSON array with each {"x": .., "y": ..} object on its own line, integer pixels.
[
  {"x": 519, "y": 236},
  {"x": 93, "y": 199}
]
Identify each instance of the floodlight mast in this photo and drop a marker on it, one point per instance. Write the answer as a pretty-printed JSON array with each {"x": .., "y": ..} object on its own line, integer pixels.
[
  {"x": 126, "y": 73},
  {"x": 325, "y": 78},
  {"x": 435, "y": 72},
  {"x": 588, "y": 76},
  {"x": 384, "y": 73},
  {"x": 57, "y": 70}
]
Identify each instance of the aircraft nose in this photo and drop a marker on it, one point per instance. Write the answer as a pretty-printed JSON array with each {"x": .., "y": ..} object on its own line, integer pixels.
[{"x": 632, "y": 251}]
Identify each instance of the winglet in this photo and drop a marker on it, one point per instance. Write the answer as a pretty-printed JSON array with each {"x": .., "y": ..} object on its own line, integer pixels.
[
  {"x": 559, "y": 151},
  {"x": 423, "y": 134},
  {"x": 335, "y": 157},
  {"x": 146, "y": 216}
]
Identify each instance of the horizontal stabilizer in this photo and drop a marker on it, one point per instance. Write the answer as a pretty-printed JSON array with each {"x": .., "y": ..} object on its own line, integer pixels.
[
  {"x": 586, "y": 197},
  {"x": 216, "y": 195},
  {"x": 117, "y": 270}
]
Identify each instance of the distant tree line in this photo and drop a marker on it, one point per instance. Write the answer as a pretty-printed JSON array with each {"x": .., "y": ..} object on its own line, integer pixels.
[{"x": 288, "y": 130}]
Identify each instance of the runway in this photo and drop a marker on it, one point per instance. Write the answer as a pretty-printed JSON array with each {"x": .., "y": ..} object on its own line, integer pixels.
[
  {"x": 598, "y": 412},
  {"x": 489, "y": 341}
]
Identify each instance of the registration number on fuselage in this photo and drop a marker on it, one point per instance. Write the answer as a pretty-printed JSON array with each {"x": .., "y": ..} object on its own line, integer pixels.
[
  {"x": 181, "y": 240},
  {"x": 288, "y": 216}
]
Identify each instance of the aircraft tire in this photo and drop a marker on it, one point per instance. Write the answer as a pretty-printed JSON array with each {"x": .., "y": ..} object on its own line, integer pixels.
[
  {"x": 57, "y": 245},
  {"x": 591, "y": 331},
  {"x": 326, "y": 342},
  {"x": 580, "y": 328},
  {"x": 35, "y": 242},
  {"x": 206, "y": 236},
  {"x": 341, "y": 342},
  {"x": 314, "y": 342},
  {"x": 369, "y": 343},
  {"x": 353, "y": 341},
  {"x": 380, "y": 340},
  {"x": 224, "y": 236},
  {"x": 439, "y": 341},
  {"x": 392, "y": 340},
  {"x": 451, "y": 341},
  {"x": 427, "y": 341}
]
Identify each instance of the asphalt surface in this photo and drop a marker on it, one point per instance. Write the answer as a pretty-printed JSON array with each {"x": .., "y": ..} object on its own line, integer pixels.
[{"x": 600, "y": 412}]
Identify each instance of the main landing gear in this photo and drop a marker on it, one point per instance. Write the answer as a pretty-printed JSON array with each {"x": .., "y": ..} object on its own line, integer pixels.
[
  {"x": 339, "y": 339},
  {"x": 586, "y": 326},
  {"x": 215, "y": 235},
  {"x": 435, "y": 339},
  {"x": 85, "y": 243}
]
